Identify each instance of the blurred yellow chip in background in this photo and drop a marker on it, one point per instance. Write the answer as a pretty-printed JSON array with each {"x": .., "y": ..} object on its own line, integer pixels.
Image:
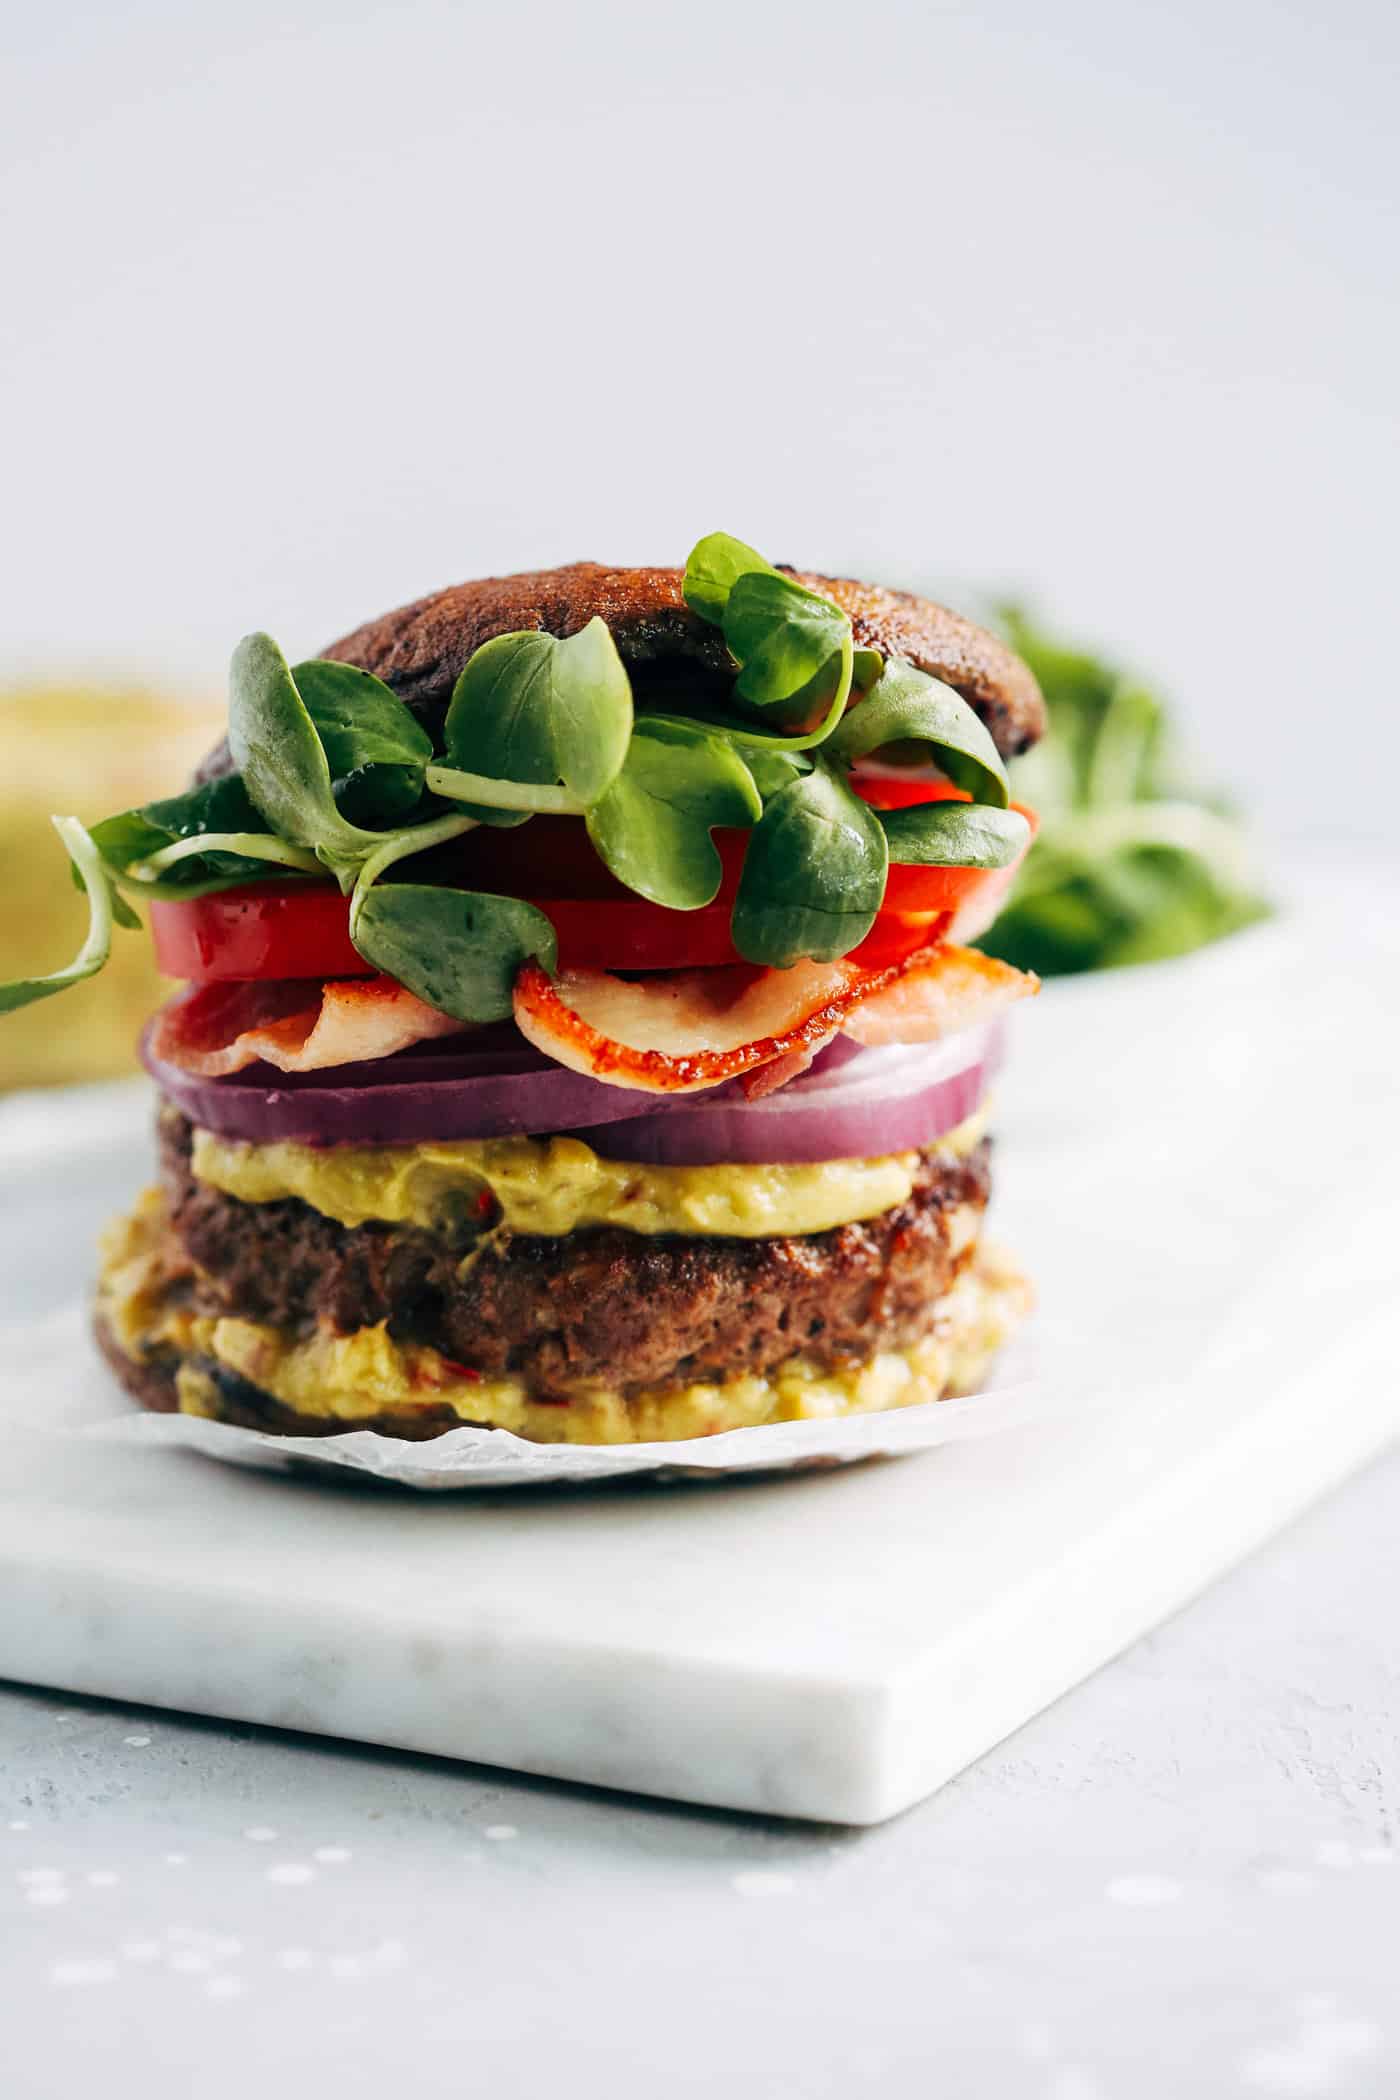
[{"x": 82, "y": 751}]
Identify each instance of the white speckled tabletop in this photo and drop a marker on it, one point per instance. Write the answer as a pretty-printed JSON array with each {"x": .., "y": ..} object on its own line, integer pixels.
[{"x": 1184, "y": 1877}]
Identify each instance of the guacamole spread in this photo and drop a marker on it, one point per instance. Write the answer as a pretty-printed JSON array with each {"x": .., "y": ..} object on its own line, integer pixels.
[{"x": 554, "y": 1185}]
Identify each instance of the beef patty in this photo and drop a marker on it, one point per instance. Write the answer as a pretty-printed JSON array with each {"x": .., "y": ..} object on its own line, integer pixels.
[{"x": 628, "y": 1310}]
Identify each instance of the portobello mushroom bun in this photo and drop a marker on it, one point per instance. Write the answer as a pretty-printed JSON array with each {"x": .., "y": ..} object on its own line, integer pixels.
[{"x": 582, "y": 1031}]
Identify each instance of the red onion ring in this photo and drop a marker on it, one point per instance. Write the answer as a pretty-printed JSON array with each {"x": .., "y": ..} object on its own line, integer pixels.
[
  {"x": 403, "y": 1100},
  {"x": 895, "y": 1099},
  {"x": 853, "y": 1103}
]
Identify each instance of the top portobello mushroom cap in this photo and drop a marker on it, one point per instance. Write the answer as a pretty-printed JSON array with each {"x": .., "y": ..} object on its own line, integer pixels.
[{"x": 420, "y": 650}]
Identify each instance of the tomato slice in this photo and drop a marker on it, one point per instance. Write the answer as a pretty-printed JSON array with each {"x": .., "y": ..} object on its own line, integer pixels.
[
  {"x": 896, "y": 935},
  {"x": 275, "y": 930},
  {"x": 266, "y": 929},
  {"x": 548, "y": 857},
  {"x": 301, "y": 929},
  {"x": 911, "y": 889},
  {"x": 895, "y": 791},
  {"x": 279, "y": 929},
  {"x": 628, "y": 933}
]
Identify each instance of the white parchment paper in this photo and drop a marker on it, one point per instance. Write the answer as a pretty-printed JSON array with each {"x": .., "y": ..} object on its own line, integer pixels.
[{"x": 53, "y": 1382}]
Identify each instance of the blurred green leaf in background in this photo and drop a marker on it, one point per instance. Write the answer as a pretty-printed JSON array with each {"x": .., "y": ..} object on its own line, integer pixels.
[{"x": 1136, "y": 859}]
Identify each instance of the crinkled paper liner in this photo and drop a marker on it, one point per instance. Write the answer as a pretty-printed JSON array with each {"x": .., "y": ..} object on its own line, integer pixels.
[{"x": 53, "y": 1382}]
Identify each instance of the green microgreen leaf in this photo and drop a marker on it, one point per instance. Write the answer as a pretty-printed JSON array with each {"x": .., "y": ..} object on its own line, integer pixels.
[
  {"x": 954, "y": 835},
  {"x": 751, "y": 740},
  {"x": 220, "y": 806},
  {"x": 772, "y": 767},
  {"x": 215, "y": 805},
  {"x": 652, "y": 827},
  {"x": 906, "y": 706},
  {"x": 401, "y": 845},
  {"x": 456, "y": 949},
  {"x": 714, "y": 567},
  {"x": 866, "y": 668},
  {"x": 1136, "y": 859},
  {"x": 283, "y": 762},
  {"x": 793, "y": 648},
  {"x": 209, "y": 838},
  {"x": 121, "y": 910},
  {"x": 97, "y": 945},
  {"x": 772, "y": 760},
  {"x": 505, "y": 802},
  {"x": 535, "y": 711},
  {"x": 249, "y": 853},
  {"x": 814, "y": 874},
  {"x": 1096, "y": 902},
  {"x": 124, "y": 840},
  {"x": 375, "y": 749}
]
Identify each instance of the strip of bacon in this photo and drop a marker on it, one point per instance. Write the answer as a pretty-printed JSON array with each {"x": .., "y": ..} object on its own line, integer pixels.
[
  {"x": 768, "y": 1078},
  {"x": 676, "y": 1031},
  {"x": 937, "y": 994},
  {"x": 672, "y": 1032},
  {"x": 682, "y": 1030},
  {"x": 297, "y": 1026}
]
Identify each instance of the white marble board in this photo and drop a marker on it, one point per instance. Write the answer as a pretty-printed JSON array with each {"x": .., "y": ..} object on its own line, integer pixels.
[{"x": 1219, "y": 1342}]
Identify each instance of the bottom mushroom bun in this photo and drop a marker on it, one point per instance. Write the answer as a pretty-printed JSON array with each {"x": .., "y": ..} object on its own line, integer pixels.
[{"x": 581, "y": 1030}]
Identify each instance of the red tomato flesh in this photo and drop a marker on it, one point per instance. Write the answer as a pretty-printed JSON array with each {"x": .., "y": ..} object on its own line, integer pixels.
[
  {"x": 301, "y": 929},
  {"x": 275, "y": 930},
  {"x": 266, "y": 929}
]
